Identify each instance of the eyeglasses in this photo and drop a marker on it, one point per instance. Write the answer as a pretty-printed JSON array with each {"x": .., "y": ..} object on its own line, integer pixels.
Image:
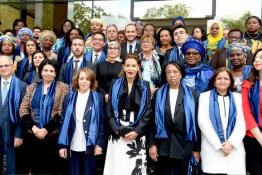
[
  {"x": 5, "y": 66},
  {"x": 112, "y": 48},
  {"x": 191, "y": 53},
  {"x": 146, "y": 42}
]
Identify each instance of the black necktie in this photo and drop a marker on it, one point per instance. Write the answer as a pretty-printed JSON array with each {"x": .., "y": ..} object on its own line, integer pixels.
[
  {"x": 76, "y": 65},
  {"x": 130, "y": 49}
]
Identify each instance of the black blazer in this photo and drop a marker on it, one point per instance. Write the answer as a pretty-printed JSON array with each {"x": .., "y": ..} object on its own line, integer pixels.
[
  {"x": 124, "y": 50},
  {"x": 175, "y": 146}
]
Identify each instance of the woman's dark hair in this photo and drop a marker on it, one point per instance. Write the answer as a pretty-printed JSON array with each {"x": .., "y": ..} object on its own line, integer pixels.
[
  {"x": 152, "y": 26},
  {"x": 204, "y": 34},
  {"x": 257, "y": 18},
  {"x": 158, "y": 37},
  {"x": 36, "y": 45},
  {"x": 16, "y": 21},
  {"x": 231, "y": 87},
  {"x": 68, "y": 42},
  {"x": 36, "y": 52},
  {"x": 7, "y": 30},
  {"x": 1, "y": 45},
  {"x": 254, "y": 74},
  {"x": 130, "y": 56},
  {"x": 163, "y": 72},
  {"x": 51, "y": 62},
  {"x": 61, "y": 32}
]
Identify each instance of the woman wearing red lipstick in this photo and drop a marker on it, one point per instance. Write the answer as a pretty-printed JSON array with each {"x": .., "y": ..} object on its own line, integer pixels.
[
  {"x": 252, "y": 108},
  {"x": 128, "y": 115}
]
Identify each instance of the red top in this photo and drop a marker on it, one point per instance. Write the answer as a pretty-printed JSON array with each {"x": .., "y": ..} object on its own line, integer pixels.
[{"x": 249, "y": 118}]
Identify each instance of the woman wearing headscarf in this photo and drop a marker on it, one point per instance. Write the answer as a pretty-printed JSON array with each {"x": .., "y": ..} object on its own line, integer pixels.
[
  {"x": 222, "y": 125},
  {"x": 251, "y": 96},
  {"x": 110, "y": 69},
  {"x": 173, "y": 134},
  {"x": 82, "y": 133},
  {"x": 128, "y": 113},
  {"x": 24, "y": 35},
  {"x": 215, "y": 39},
  {"x": 47, "y": 40},
  {"x": 238, "y": 54},
  {"x": 197, "y": 74},
  {"x": 40, "y": 113}
]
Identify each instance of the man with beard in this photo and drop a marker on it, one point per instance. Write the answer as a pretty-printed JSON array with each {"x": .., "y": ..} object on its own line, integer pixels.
[
  {"x": 36, "y": 33},
  {"x": 77, "y": 61}
]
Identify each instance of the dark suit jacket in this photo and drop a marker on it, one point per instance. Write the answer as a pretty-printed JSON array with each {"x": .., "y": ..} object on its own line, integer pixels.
[
  {"x": 175, "y": 146},
  {"x": 86, "y": 121},
  {"x": 124, "y": 50}
]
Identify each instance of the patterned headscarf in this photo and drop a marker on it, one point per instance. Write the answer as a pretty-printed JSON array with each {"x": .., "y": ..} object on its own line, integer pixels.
[
  {"x": 25, "y": 30},
  {"x": 238, "y": 46},
  {"x": 180, "y": 18},
  {"x": 7, "y": 38},
  {"x": 98, "y": 20},
  {"x": 194, "y": 44},
  {"x": 47, "y": 33},
  {"x": 116, "y": 44}
]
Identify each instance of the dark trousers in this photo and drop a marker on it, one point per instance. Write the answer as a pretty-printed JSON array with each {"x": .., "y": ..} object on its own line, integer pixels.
[
  {"x": 81, "y": 163},
  {"x": 253, "y": 156},
  {"x": 213, "y": 174},
  {"x": 169, "y": 166}
]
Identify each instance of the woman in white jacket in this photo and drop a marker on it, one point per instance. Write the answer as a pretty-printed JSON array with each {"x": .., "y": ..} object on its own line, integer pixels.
[{"x": 222, "y": 125}]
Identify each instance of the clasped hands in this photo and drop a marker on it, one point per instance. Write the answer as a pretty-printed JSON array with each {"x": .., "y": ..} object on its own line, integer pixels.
[
  {"x": 226, "y": 148},
  {"x": 39, "y": 133}
]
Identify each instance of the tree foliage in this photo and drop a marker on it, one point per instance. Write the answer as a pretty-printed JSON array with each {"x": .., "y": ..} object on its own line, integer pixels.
[
  {"x": 82, "y": 15},
  {"x": 236, "y": 24},
  {"x": 167, "y": 11}
]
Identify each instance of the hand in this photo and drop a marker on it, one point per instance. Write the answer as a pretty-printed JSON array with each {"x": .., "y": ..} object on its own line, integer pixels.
[
  {"x": 97, "y": 150},
  {"x": 131, "y": 136},
  {"x": 227, "y": 148},
  {"x": 106, "y": 98},
  {"x": 35, "y": 129},
  {"x": 196, "y": 155},
  {"x": 63, "y": 153},
  {"x": 153, "y": 153},
  {"x": 41, "y": 133},
  {"x": 18, "y": 142}
]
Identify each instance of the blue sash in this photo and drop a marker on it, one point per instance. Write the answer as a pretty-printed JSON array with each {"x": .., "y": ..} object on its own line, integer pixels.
[
  {"x": 245, "y": 72},
  {"x": 42, "y": 105},
  {"x": 65, "y": 55},
  {"x": 202, "y": 78},
  {"x": 214, "y": 114},
  {"x": 89, "y": 53},
  {"x": 118, "y": 85},
  {"x": 189, "y": 108},
  {"x": 94, "y": 121},
  {"x": 31, "y": 76},
  {"x": 68, "y": 74},
  {"x": 14, "y": 98},
  {"x": 21, "y": 67},
  {"x": 254, "y": 98},
  {"x": 173, "y": 55}
]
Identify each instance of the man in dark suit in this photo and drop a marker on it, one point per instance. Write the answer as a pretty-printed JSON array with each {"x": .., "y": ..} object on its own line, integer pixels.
[
  {"x": 12, "y": 91},
  {"x": 131, "y": 45},
  {"x": 76, "y": 62}
]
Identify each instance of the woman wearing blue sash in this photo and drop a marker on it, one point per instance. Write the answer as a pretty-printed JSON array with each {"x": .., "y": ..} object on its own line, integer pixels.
[
  {"x": 172, "y": 137},
  {"x": 251, "y": 96},
  {"x": 222, "y": 125},
  {"x": 32, "y": 75},
  {"x": 128, "y": 112},
  {"x": 197, "y": 74},
  {"x": 40, "y": 112},
  {"x": 82, "y": 133},
  {"x": 238, "y": 54},
  {"x": 25, "y": 64}
]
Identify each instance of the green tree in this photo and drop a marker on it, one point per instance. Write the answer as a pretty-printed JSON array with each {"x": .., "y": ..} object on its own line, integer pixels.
[
  {"x": 167, "y": 11},
  {"x": 82, "y": 15},
  {"x": 236, "y": 24}
]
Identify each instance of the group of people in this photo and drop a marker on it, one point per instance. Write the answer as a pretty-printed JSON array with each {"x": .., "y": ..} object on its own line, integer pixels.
[{"x": 138, "y": 101}]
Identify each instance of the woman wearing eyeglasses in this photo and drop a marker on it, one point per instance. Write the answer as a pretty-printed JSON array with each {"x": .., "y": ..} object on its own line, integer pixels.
[
  {"x": 197, "y": 75},
  {"x": 110, "y": 69}
]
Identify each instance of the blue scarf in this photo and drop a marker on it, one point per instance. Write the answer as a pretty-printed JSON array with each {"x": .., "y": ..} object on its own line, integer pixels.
[
  {"x": 68, "y": 74},
  {"x": 42, "y": 105},
  {"x": 254, "y": 98},
  {"x": 201, "y": 76},
  {"x": 31, "y": 76},
  {"x": 21, "y": 67},
  {"x": 65, "y": 55},
  {"x": 14, "y": 97},
  {"x": 118, "y": 85},
  {"x": 89, "y": 53},
  {"x": 94, "y": 121},
  {"x": 245, "y": 72},
  {"x": 214, "y": 114},
  {"x": 189, "y": 107}
]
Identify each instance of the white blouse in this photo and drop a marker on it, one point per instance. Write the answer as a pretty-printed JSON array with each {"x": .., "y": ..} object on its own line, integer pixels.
[{"x": 173, "y": 93}]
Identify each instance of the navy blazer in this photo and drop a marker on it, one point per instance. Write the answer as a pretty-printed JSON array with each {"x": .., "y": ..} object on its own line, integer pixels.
[
  {"x": 86, "y": 121},
  {"x": 124, "y": 50}
]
